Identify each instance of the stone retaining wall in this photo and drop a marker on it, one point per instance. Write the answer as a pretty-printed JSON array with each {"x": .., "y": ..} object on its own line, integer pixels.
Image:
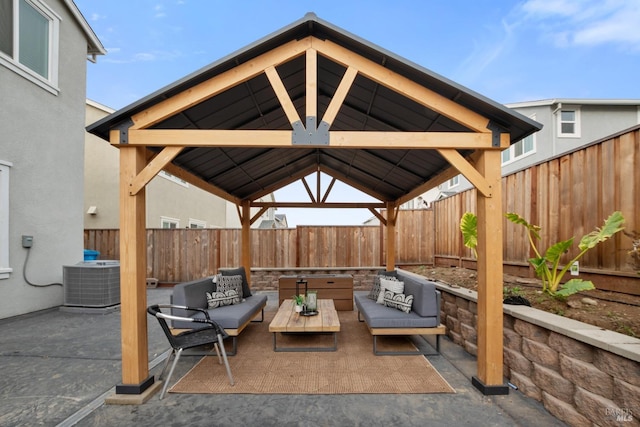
[
  {"x": 582, "y": 374},
  {"x": 266, "y": 279}
]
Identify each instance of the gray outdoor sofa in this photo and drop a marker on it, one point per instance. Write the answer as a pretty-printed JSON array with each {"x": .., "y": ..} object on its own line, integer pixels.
[
  {"x": 423, "y": 319},
  {"x": 232, "y": 318}
]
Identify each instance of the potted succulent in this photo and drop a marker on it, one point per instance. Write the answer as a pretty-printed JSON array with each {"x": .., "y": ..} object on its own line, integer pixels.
[{"x": 298, "y": 300}]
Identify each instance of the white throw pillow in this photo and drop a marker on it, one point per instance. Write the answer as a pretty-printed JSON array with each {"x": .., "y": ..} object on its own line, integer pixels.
[{"x": 394, "y": 286}]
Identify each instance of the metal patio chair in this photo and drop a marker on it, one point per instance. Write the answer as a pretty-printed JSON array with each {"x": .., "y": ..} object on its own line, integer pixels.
[{"x": 210, "y": 334}]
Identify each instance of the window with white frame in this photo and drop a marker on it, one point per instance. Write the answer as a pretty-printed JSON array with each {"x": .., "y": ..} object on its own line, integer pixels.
[
  {"x": 5, "y": 270},
  {"x": 174, "y": 178},
  {"x": 196, "y": 223},
  {"x": 569, "y": 122},
  {"x": 453, "y": 181},
  {"x": 520, "y": 149},
  {"x": 29, "y": 41},
  {"x": 166, "y": 222}
]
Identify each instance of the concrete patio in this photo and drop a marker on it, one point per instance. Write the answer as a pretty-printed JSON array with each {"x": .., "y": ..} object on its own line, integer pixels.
[{"x": 59, "y": 366}]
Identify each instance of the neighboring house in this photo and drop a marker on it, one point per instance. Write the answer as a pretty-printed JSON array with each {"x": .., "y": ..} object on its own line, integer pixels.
[
  {"x": 44, "y": 47},
  {"x": 171, "y": 202},
  {"x": 278, "y": 221},
  {"x": 568, "y": 125}
]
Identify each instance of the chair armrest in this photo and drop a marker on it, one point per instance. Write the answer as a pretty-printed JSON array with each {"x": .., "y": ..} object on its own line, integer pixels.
[{"x": 154, "y": 310}]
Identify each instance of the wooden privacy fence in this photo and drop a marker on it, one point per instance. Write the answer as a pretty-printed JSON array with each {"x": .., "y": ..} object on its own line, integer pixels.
[{"x": 567, "y": 196}]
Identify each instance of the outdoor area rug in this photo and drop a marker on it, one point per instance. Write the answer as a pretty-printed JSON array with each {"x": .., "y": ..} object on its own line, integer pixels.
[{"x": 352, "y": 369}]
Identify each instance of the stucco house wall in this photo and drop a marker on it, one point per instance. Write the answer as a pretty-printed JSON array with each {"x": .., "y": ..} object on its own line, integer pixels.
[{"x": 41, "y": 149}]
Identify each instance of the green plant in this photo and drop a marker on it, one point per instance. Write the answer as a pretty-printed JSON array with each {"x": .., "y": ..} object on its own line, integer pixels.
[
  {"x": 513, "y": 291},
  {"x": 469, "y": 230},
  {"x": 298, "y": 299},
  {"x": 547, "y": 266}
]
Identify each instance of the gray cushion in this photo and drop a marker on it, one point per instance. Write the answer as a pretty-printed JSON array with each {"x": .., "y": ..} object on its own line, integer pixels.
[
  {"x": 424, "y": 295},
  {"x": 193, "y": 293},
  {"x": 246, "y": 290},
  {"x": 230, "y": 316},
  {"x": 379, "y": 316}
]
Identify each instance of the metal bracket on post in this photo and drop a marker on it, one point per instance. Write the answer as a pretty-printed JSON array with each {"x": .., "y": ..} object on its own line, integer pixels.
[
  {"x": 309, "y": 134},
  {"x": 123, "y": 128},
  {"x": 496, "y": 130}
]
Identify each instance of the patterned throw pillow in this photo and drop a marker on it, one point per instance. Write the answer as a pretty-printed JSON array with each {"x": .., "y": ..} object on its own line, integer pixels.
[
  {"x": 401, "y": 302},
  {"x": 375, "y": 288},
  {"x": 220, "y": 299},
  {"x": 229, "y": 283},
  {"x": 390, "y": 284}
]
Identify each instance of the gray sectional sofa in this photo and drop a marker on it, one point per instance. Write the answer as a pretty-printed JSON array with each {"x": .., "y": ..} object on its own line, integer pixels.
[
  {"x": 232, "y": 318},
  {"x": 423, "y": 318}
]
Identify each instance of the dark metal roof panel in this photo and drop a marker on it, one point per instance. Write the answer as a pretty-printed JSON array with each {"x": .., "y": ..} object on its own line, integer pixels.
[{"x": 368, "y": 106}]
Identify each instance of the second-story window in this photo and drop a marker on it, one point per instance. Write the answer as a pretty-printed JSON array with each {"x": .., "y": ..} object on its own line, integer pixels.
[
  {"x": 520, "y": 149},
  {"x": 569, "y": 122},
  {"x": 29, "y": 40}
]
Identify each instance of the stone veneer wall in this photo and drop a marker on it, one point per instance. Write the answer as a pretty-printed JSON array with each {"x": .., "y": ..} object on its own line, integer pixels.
[
  {"x": 583, "y": 375},
  {"x": 266, "y": 279}
]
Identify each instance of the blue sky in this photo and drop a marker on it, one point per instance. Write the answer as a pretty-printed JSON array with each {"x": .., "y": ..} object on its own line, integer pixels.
[{"x": 506, "y": 50}]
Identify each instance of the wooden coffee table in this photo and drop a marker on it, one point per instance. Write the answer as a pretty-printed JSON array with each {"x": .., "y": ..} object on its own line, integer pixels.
[{"x": 287, "y": 321}]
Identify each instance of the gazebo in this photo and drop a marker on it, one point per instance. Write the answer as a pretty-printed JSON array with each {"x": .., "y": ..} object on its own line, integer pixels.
[{"x": 312, "y": 98}]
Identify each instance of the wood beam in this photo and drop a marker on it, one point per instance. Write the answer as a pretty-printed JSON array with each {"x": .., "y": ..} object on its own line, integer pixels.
[
  {"x": 415, "y": 140},
  {"x": 340, "y": 95},
  {"x": 258, "y": 214},
  {"x": 391, "y": 236},
  {"x": 423, "y": 188},
  {"x": 466, "y": 169},
  {"x": 219, "y": 83},
  {"x": 246, "y": 238},
  {"x": 308, "y": 189},
  {"x": 133, "y": 270},
  {"x": 153, "y": 168},
  {"x": 327, "y": 205},
  {"x": 338, "y": 139},
  {"x": 342, "y": 177},
  {"x": 490, "y": 276},
  {"x": 311, "y": 80},
  {"x": 200, "y": 183},
  {"x": 299, "y": 174},
  {"x": 282, "y": 95},
  {"x": 378, "y": 215},
  {"x": 402, "y": 85},
  {"x": 329, "y": 188}
]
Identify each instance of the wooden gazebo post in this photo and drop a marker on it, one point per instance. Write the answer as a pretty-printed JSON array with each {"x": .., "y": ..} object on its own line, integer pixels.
[
  {"x": 133, "y": 288},
  {"x": 246, "y": 237},
  {"x": 490, "y": 278},
  {"x": 391, "y": 236}
]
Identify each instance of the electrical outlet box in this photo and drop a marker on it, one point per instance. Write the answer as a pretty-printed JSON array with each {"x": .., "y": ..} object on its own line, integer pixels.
[{"x": 27, "y": 241}]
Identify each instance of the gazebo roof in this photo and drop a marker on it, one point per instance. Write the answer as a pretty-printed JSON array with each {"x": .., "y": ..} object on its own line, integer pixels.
[{"x": 384, "y": 172}]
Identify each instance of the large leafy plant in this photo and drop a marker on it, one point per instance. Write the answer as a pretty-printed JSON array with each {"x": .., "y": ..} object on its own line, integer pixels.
[
  {"x": 469, "y": 230},
  {"x": 547, "y": 266}
]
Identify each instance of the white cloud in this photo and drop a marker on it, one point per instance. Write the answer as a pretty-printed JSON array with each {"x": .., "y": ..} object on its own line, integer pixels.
[
  {"x": 586, "y": 22},
  {"x": 157, "y": 55},
  {"x": 159, "y": 11}
]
